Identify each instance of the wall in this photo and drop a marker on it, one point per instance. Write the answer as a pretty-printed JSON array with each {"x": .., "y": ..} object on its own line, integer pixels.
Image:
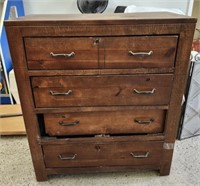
[
  {"x": 70, "y": 6},
  {"x": 196, "y": 13}
]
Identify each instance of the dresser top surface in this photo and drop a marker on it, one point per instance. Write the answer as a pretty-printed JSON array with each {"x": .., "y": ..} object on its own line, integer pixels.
[{"x": 101, "y": 19}]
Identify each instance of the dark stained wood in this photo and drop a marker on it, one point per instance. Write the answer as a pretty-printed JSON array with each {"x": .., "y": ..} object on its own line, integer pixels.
[
  {"x": 118, "y": 122},
  {"x": 102, "y": 139},
  {"x": 166, "y": 159},
  {"x": 101, "y": 169},
  {"x": 117, "y": 51},
  {"x": 102, "y": 30},
  {"x": 120, "y": 18},
  {"x": 180, "y": 81},
  {"x": 101, "y": 72},
  {"x": 106, "y": 154},
  {"x": 102, "y": 90},
  {"x": 97, "y": 109},
  {"x": 181, "y": 74},
  {"x": 38, "y": 53},
  {"x": 27, "y": 103},
  {"x": 102, "y": 78}
]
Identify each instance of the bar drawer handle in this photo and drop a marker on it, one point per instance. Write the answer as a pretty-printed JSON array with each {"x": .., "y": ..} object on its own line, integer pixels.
[
  {"x": 67, "y": 158},
  {"x": 69, "y": 124},
  {"x": 144, "y": 91},
  {"x": 140, "y": 155},
  {"x": 140, "y": 53},
  {"x": 144, "y": 122},
  {"x": 60, "y": 93},
  {"x": 63, "y": 55}
]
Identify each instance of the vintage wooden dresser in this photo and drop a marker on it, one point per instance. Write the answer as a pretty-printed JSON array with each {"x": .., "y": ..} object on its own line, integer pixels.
[{"x": 101, "y": 93}]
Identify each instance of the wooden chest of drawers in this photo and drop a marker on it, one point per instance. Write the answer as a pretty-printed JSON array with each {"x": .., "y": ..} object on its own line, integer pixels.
[{"x": 101, "y": 92}]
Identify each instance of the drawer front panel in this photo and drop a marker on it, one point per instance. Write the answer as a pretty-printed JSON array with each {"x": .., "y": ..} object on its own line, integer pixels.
[
  {"x": 91, "y": 154},
  {"x": 139, "y": 52},
  {"x": 110, "y": 122},
  {"x": 102, "y": 90},
  {"x": 61, "y": 53}
]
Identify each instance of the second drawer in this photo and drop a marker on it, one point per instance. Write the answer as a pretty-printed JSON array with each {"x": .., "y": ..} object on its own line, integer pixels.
[
  {"x": 102, "y": 122},
  {"x": 118, "y": 90}
]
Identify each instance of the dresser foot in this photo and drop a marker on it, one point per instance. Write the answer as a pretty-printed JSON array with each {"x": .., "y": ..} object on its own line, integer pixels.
[
  {"x": 164, "y": 172},
  {"x": 41, "y": 177},
  {"x": 166, "y": 162}
]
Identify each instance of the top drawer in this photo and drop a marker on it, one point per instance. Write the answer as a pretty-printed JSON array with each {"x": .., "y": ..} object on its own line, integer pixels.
[
  {"x": 104, "y": 52},
  {"x": 61, "y": 53},
  {"x": 140, "y": 51}
]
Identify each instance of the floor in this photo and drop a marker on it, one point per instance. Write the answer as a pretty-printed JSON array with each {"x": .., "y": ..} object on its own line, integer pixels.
[{"x": 16, "y": 168}]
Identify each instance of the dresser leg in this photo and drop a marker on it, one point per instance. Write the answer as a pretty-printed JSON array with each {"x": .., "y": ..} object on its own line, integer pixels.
[
  {"x": 166, "y": 162},
  {"x": 164, "y": 171},
  {"x": 41, "y": 177}
]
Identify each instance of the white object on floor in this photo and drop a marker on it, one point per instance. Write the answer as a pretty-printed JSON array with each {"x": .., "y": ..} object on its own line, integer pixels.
[
  {"x": 191, "y": 118},
  {"x": 13, "y": 86}
]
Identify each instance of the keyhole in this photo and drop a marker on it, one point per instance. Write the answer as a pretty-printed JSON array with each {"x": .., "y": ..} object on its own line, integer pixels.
[{"x": 96, "y": 42}]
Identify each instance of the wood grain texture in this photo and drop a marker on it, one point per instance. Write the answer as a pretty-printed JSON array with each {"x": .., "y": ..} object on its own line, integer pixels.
[
  {"x": 115, "y": 52},
  {"x": 102, "y": 90},
  {"x": 39, "y": 53},
  {"x": 26, "y": 100},
  {"x": 104, "y": 71},
  {"x": 102, "y": 30},
  {"x": 101, "y": 79},
  {"x": 91, "y": 154},
  {"x": 118, "y": 122},
  {"x": 120, "y": 18},
  {"x": 97, "y": 109},
  {"x": 101, "y": 139},
  {"x": 101, "y": 169}
]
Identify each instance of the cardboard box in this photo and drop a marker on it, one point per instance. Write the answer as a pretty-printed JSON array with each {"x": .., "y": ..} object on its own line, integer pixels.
[{"x": 11, "y": 120}]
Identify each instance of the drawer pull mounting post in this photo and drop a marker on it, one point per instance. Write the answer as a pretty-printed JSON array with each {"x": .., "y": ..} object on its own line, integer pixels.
[
  {"x": 69, "y": 124},
  {"x": 144, "y": 91},
  {"x": 63, "y": 55},
  {"x": 144, "y": 122},
  {"x": 140, "y": 155},
  {"x": 67, "y": 158},
  {"x": 60, "y": 93},
  {"x": 140, "y": 53}
]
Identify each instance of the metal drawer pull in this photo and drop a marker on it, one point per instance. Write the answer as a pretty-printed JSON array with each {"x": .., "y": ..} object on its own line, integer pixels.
[
  {"x": 60, "y": 93},
  {"x": 67, "y": 158},
  {"x": 144, "y": 91},
  {"x": 63, "y": 55},
  {"x": 140, "y": 53},
  {"x": 69, "y": 124},
  {"x": 144, "y": 122},
  {"x": 140, "y": 155}
]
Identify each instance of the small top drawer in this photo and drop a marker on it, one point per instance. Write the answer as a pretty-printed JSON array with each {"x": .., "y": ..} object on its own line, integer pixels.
[
  {"x": 61, "y": 53},
  {"x": 100, "y": 52},
  {"x": 140, "y": 51}
]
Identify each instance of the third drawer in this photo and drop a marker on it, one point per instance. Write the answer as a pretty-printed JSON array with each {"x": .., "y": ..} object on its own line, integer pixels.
[{"x": 105, "y": 122}]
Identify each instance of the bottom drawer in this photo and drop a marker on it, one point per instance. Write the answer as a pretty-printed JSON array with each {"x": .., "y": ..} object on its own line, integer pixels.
[{"x": 103, "y": 154}]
